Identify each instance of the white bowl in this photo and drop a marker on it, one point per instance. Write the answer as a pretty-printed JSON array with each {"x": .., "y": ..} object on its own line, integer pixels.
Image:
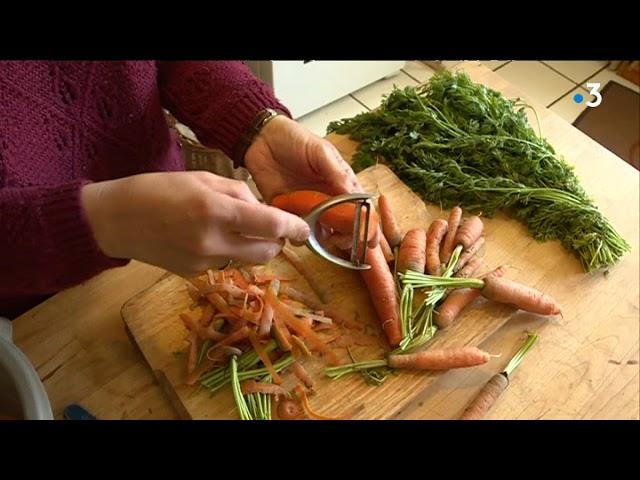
[{"x": 22, "y": 394}]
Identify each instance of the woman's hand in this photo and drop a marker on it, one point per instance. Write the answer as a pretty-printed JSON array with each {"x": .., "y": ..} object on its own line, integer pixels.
[
  {"x": 286, "y": 156},
  {"x": 186, "y": 222}
]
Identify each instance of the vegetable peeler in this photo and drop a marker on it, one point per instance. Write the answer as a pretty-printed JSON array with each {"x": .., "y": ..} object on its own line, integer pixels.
[{"x": 356, "y": 261}]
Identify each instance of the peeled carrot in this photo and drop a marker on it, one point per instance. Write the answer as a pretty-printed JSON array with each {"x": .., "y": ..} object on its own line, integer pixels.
[
  {"x": 382, "y": 291},
  {"x": 502, "y": 290},
  {"x": 412, "y": 254},
  {"x": 386, "y": 250},
  {"x": 458, "y": 299},
  {"x": 452, "y": 228},
  {"x": 437, "y": 230},
  {"x": 478, "y": 408},
  {"x": 469, "y": 232},
  {"x": 469, "y": 254},
  {"x": 341, "y": 217},
  {"x": 440, "y": 359},
  {"x": 390, "y": 226}
]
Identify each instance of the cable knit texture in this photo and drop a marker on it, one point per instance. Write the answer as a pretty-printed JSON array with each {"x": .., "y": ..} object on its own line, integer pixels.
[{"x": 63, "y": 124}]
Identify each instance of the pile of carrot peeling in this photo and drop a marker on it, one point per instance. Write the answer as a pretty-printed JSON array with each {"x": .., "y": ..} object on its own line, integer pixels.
[{"x": 248, "y": 328}]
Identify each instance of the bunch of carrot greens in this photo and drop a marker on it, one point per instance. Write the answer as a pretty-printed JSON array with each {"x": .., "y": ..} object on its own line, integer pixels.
[{"x": 459, "y": 143}]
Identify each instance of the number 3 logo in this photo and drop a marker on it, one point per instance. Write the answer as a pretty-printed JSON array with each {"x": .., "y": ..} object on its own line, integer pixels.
[{"x": 594, "y": 91}]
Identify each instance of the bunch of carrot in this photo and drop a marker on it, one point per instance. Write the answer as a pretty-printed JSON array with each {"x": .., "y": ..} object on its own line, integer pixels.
[
  {"x": 251, "y": 327},
  {"x": 439, "y": 262}
]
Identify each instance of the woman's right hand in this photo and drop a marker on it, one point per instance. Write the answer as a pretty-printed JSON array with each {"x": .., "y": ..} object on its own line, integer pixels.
[{"x": 186, "y": 222}]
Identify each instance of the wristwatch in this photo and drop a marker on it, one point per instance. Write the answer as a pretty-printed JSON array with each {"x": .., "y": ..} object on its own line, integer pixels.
[{"x": 264, "y": 117}]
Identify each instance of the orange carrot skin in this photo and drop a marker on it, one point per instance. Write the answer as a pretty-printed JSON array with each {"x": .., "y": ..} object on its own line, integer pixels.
[
  {"x": 506, "y": 291},
  {"x": 469, "y": 254},
  {"x": 487, "y": 397},
  {"x": 458, "y": 299},
  {"x": 341, "y": 217},
  {"x": 412, "y": 254},
  {"x": 381, "y": 286},
  {"x": 437, "y": 230},
  {"x": 386, "y": 249},
  {"x": 390, "y": 226},
  {"x": 469, "y": 232},
  {"x": 440, "y": 359},
  {"x": 452, "y": 228}
]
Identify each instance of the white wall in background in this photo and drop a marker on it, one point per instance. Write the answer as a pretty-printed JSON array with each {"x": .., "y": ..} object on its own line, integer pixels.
[{"x": 304, "y": 86}]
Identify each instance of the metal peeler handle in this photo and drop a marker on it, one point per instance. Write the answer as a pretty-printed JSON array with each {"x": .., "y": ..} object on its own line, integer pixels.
[{"x": 313, "y": 217}]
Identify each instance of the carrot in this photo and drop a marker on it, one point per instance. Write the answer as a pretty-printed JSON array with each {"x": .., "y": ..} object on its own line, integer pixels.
[
  {"x": 469, "y": 269},
  {"x": 302, "y": 375},
  {"x": 486, "y": 398},
  {"x": 390, "y": 226},
  {"x": 437, "y": 230},
  {"x": 468, "y": 254},
  {"x": 386, "y": 250},
  {"x": 502, "y": 290},
  {"x": 289, "y": 410},
  {"x": 263, "y": 356},
  {"x": 412, "y": 254},
  {"x": 440, "y": 359},
  {"x": 469, "y": 232},
  {"x": 458, "y": 299},
  {"x": 303, "y": 270},
  {"x": 452, "y": 228},
  {"x": 382, "y": 291},
  {"x": 341, "y": 217}
]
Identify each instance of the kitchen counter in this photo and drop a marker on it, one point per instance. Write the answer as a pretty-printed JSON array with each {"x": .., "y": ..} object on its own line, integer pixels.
[{"x": 582, "y": 369}]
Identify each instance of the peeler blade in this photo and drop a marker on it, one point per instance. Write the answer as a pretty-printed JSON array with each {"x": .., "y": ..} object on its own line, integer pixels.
[{"x": 361, "y": 200}]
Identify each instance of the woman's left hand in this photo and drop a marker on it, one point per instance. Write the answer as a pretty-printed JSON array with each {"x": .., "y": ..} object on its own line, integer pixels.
[{"x": 285, "y": 156}]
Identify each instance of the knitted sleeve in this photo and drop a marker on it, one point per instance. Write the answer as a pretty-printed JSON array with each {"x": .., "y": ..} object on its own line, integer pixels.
[
  {"x": 218, "y": 100},
  {"x": 46, "y": 243}
]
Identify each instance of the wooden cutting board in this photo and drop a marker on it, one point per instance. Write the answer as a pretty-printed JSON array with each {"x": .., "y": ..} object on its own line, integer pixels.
[{"x": 152, "y": 316}]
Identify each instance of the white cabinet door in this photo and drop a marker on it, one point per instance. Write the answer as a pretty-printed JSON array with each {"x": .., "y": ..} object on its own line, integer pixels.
[{"x": 304, "y": 86}]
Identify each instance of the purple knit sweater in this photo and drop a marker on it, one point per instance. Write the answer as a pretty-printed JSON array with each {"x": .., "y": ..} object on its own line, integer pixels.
[{"x": 63, "y": 124}]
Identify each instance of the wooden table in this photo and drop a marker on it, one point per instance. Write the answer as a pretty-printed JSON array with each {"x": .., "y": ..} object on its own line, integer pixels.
[{"x": 584, "y": 369}]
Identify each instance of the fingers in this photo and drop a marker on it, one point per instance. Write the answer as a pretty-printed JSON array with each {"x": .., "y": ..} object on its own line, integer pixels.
[
  {"x": 336, "y": 172},
  {"x": 233, "y": 188},
  {"x": 252, "y": 250},
  {"x": 264, "y": 221}
]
